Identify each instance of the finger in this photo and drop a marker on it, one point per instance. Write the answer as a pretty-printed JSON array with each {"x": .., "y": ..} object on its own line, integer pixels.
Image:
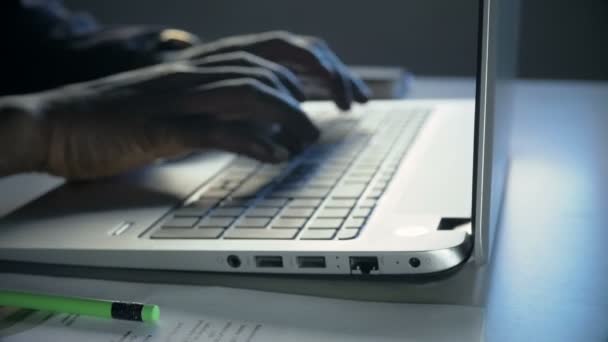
[
  {"x": 256, "y": 102},
  {"x": 174, "y": 39},
  {"x": 267, "y": 77},
  {"x": 294, "y": 147},
  {"x": 344, "y": 85},
  {"x": 180, "y": 78},
  {"x": 361, "y": 93},
  {"x": 300, "y": 53},
  {"x": 241, "y": 58},
  {"x": 236, "y": 137},
  {"x": 297, "y": 53},
  {"x": 166, "y": 78},
  {"x": 246, "y": 143}
]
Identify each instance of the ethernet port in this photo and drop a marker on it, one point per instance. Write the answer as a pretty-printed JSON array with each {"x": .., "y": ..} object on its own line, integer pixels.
[{"x": 363, "y": 265}]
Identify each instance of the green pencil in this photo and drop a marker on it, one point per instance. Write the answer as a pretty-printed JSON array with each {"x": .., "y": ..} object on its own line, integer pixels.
[{"x": 82, "y": 306}]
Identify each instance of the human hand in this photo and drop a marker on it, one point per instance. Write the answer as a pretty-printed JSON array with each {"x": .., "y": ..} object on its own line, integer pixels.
[
  {"x": 111, "y": 125},
  {"x": 307, "y": 57},
  {"x": 112, "y": 50}
]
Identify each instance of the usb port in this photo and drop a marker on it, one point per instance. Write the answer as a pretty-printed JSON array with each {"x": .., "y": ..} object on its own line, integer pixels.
[
  {"x": 268, "y": 261},
  {"x": 310, "y": 261}
]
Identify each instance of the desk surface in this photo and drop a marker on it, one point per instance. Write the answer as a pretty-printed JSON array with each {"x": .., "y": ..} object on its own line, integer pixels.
[{"x": 549, "y": 270}]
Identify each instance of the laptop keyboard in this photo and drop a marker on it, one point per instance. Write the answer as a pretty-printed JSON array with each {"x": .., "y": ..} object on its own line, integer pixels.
[{"x": 326, "y": 193}]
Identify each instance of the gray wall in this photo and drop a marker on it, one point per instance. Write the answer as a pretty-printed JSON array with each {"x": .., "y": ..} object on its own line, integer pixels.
[
  {"x": 564, "y": 39},
  {"x": 560, "y": 39}
]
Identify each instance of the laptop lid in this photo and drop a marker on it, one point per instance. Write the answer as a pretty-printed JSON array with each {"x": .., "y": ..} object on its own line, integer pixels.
[{"x": 498, "y": 40}]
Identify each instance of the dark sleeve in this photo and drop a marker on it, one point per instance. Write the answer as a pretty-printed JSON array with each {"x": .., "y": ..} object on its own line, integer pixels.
[
  {"x": 47, "y": 46},
  {"x": 36, "y": 36}
]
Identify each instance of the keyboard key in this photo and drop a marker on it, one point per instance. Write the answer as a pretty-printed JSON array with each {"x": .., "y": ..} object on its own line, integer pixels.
[
  {"x": 328, "y": 175},
  {"x": 272, "y": 202},
  {"x": 348, "y": 191},
  {"x": 371, "y": 168},
  {"x": 349, "y": 181},
  {"x": 323, "y": 223},
  {"x": 288, "y": 223},
  {"x": 221, "y": 182},
  {"x": 216, "y": 188},
  {"x": 347, "y": 234},
  {"x": 330, "y": 178},
  {"x": 216, "y": 222},
  {"x": 391, "y": 167},
  {"x": 387, "y": 173},
  {"x": 333, "y": 213},
  {"x": 255, "y": 184},
  {"x": 305, "y": 203},
  {"x": 362, "y": 174},
  {"x": 230, "y": 185},
  {"x": 253, "y": 222},
  {"x": 217, "y": 193},
  {"x": 245, "y": 192},
  {"x": 381, "y": 184},
  {"x": 236, "y": 202},
  {"x": 262, "y": 234},
  {"x": 290, "y": 186},
  {"x": 321, "y": 182},
  {"x": 374, "y": 194},
  {"x": 318, "y": 234},
  {"x": 297, "y": 212},
  {"x": 196, "y": 208},
  {"x": 365, "y": 173},
  {"x": 361, "y": 212},
  {"x": 181, "y": 222},
  {"x": 238, "y": 174},
  {"x": 191, "y": 211},
  {"x": 354, "y": 223},
  {"x": 187, "y": 233},
  {"x": 228, "y": 212},
  {"x": 262, "y": 212},
  {"x": 340, "y": 203},
  {"x": 272, "y": 170},
  {"x": 302, "y": 193}
]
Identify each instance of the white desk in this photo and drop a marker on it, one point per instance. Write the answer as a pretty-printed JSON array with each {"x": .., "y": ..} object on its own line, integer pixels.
[{"x": 550, "y": 269}]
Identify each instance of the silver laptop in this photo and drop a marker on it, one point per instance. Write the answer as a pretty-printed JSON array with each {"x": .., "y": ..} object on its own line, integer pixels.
[{"x": 392, "y": 188}]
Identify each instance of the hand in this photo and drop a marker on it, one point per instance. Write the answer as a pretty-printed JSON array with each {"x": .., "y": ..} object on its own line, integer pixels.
[
  {"x": 307, "y": 57},
  {"x": 111, "y": 50},
  {"x": 111, "y": 125}
]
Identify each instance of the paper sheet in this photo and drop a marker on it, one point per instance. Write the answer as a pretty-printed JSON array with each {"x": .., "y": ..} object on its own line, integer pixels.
[{"x": 202, "y": 314}]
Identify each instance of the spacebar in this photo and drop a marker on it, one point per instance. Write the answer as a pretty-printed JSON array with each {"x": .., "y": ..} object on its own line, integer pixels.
[{"x": 261, "y": 234}]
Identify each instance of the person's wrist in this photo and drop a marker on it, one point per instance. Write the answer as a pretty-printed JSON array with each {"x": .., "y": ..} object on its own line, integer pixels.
[{"x": 23, "y": 135}]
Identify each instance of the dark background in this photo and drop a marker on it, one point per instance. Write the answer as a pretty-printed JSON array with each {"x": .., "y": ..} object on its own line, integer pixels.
[{"x": 562, "y": 39}]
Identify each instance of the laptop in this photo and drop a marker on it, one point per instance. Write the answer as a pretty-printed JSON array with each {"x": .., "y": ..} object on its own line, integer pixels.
[{"x": 406, "y": 187}]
